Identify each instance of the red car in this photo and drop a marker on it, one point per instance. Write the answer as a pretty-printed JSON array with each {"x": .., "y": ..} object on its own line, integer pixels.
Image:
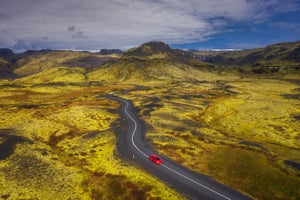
[{"x": 154, "y": 158}]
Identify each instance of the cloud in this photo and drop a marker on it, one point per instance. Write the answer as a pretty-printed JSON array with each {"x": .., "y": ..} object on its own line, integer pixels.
[
  {"x": 79, "y": 34},
  {"x": 124, "y": 23},
  {"x": 72, "y": 28},
  {"x": 4, "y": 17},
  {"x": 22, "y": 45}
]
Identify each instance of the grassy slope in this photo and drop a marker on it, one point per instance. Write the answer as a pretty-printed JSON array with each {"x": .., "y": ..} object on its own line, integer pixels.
[
  {"x": 70, "y": 144},
  {"x": 279, "y": 60},
  {"x": 3, "y": 62},
  {"x": 239, "y": 133},
  {"x": 56, "y": 74},
  {"x": 276, "y": 54},
  {"x": 136, "y": 70},
  {"x": 39, "y": 61}
]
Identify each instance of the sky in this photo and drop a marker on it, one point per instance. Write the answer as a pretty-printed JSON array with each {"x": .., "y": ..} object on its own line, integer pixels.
[{"x": 122, "y": 24}]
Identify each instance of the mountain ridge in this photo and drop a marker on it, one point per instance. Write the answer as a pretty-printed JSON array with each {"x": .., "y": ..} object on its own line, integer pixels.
[
  {"x": 152, "y": 61},
  {"x": 154, "y": 50},
  {"x": 288, "y": 51}
]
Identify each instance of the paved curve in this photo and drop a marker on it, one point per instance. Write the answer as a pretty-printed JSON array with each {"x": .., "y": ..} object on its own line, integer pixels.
[{"x": 131, "y": 145}]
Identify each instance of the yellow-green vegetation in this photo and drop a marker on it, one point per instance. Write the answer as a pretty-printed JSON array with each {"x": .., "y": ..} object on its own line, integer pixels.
[
  {"x": 260, "y": 112},
  {"x": 56, "y": 74},
  {"x": 41, "y": 61},
  {"x": 3, "y": 62},
  {"x": 278, "y": 60},
  {"x": 153, "y": 71},
  {"x": 224, "y": 122},
  {"x": 238, "y": 132},
  {"x": 58, "y": 142}
]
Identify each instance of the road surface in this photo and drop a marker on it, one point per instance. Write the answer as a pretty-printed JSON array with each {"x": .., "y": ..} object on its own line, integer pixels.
[{"x": 131, "y": 145}]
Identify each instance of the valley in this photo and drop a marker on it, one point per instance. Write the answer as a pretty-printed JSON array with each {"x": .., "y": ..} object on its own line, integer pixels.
[{"x": 235, "y": 125}]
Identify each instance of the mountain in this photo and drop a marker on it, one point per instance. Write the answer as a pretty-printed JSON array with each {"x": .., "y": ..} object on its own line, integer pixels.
[
  {"x": 111, "y": 51},
  {"x": 6, "y": 52},
  {"x": 34, "y": 62},
  {"x": 142, "y": 70},
  {"x": 6, "y": 58},
  {"x": 42, "y": 60},
  {"x": 284, "y": 52},
  {"x": 154, "y": 50},
  {"x": 152, "y": 61},
  {"x": 55, "y": 75},
  {"x": 4, "y": 68},
  {"x": 278, "y": 59}
]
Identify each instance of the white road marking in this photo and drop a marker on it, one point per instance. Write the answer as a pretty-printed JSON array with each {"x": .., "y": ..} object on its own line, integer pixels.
[
  {"x": 134, "y": 130},
  {"x": 194, "y": 181},
  {"x": 132, "y": 136}
]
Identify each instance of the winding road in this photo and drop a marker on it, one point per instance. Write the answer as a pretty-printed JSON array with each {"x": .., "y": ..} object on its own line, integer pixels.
[{"x": 131, "y": 145}]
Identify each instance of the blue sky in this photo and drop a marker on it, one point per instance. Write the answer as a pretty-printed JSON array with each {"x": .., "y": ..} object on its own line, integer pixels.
[
  {"x": 281, "y": 27},
  {"x": 186, "y": 24}
]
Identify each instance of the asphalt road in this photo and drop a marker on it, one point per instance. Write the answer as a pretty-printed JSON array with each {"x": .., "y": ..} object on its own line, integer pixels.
[{"x": 132, "y": 146}]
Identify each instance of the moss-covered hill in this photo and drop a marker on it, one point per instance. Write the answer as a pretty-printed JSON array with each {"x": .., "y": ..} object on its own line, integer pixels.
[
  {"x": 33, "y": 62},
  {"x": 154, "y": 61},
  {"x": 56, "y": 127},
  {"x": 149, "y": 62},
  {"x": 278, "y": 59}
]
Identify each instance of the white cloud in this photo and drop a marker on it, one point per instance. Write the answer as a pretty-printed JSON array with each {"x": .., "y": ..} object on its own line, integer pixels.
[{"x": 98, "y": 24}]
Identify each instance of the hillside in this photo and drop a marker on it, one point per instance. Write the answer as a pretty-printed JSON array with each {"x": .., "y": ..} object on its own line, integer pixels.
[
  {"x": 284, "y": 52},
  {"x": 151, "y": 62},
  {"x": 154, "y": 50},
  {"x": 34, "y": 62},
  {"x": 154, "y": 61},
  {"x": 144, "y": 70},
  {"x": 6, "y": 57},
  {"x": 278, "y": 59},
  {"x": 227, "y": 121},
  {"x": 4, "y": 67},
  {"x": 111, "y": 51}
]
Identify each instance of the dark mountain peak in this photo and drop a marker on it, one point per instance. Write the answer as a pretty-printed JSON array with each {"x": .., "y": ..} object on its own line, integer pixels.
[
  {"x": 29, "y": 52},
  {"x": 156, "y": 46},
  {"x": 111, "y": 51},
  {"x": 6, "y": 52},
  {"x": 153, "y": 49}
]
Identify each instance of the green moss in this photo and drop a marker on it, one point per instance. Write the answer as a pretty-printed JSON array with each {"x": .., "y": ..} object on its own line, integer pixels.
[
  {"x": 72, "y": 146},
  {"x": 252, "y": 173},
  {"x": 238, "y": 134}
]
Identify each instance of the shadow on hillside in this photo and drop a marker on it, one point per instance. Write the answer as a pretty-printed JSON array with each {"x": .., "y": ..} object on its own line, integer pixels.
[{"x": 9, "y": 142}]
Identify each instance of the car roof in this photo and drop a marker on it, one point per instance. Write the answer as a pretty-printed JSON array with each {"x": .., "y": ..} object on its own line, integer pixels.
[{"x": 155, "y": 156}]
